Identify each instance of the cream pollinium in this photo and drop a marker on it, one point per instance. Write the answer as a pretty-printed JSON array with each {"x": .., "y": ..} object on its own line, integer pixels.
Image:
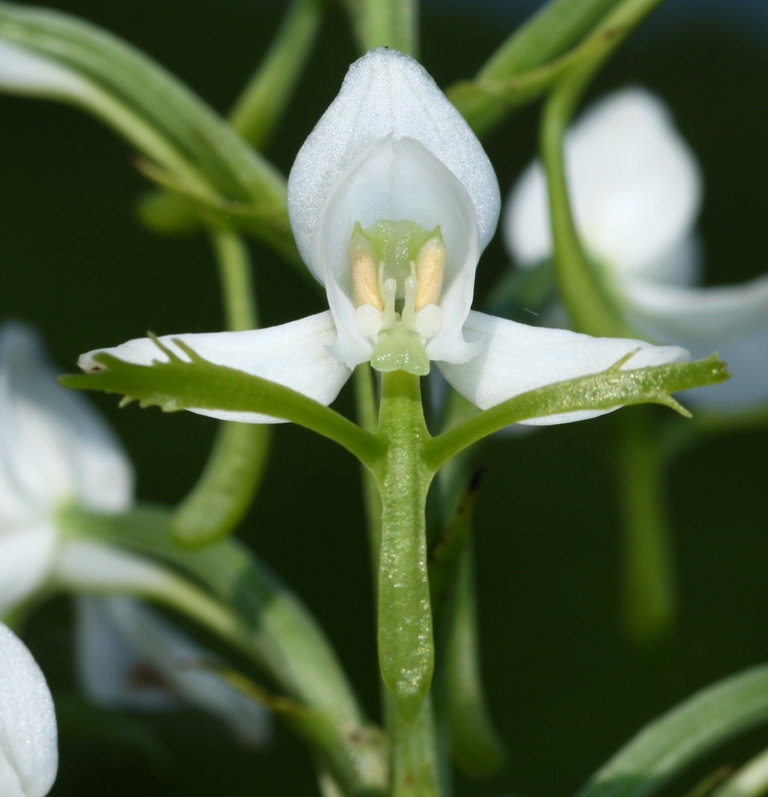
[{"x": 397, "y": 270}]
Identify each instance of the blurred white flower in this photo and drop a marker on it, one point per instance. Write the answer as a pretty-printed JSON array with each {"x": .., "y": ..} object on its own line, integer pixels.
[
  {"x": 55, "y": 451},
  {"x": 635, "y": 190},
  {"x": 29, "y": 755},
  {"x": 392, "y": 199},
  {"x": 129, "y": 657}
]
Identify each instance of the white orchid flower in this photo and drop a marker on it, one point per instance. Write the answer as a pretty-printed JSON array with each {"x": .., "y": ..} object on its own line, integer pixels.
[
  {"x": 29, "y": 755},
  {"x": 392, "y": 199},
  {"x": 129, "y": 657},
  {"x": 635, "y": 191}
]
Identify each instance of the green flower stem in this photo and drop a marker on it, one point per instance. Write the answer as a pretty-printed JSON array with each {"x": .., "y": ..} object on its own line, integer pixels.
[
  {"x": 406, "y": 649},
  {"x": 238, "y": 294},
  {"x": 414, "y": 766},
  {"x": 605, "y": 390},
  {"x": 385, "y": 23},
  {"x": 590, "y": 306},
  {"x": 649, "y": 600},
  {"x": 406, "y": 645},
  {"x": 263, "y": 101},
  {"x": 558, "y": 26},
  {"x": 239, "y": 455}
]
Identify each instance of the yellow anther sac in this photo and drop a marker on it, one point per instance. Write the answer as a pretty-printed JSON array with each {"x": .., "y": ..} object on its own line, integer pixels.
[
  {"x": 430, "y": 270},
  {"x": 363, "y": 266}
]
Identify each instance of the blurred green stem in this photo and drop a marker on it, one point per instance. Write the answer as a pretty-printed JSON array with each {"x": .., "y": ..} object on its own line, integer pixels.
[
  {"x": 589, "y": 304},
  {"x": 556, "y": 27},
  {"x": 236, "y": 464},
  {"x": 386, "y": 23},
  {"x": 367, "y": 417},
  {"x": 236, "y": 279},
  {"x": 260, "y": 107},
  {"x": 477, "y": 748},
  {"x": 649, "y": 600}
]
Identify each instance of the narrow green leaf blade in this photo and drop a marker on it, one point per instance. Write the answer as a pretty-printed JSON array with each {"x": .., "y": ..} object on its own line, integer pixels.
[
  {"x": 70, "y": 60},
  {"x": 669, "y": 744}
]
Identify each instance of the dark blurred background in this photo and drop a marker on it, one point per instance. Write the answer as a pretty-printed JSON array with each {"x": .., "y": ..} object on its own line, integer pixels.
[{"x": 565, "y": 687}]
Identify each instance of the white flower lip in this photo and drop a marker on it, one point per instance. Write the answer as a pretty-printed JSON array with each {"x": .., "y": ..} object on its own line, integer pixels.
[
  {"x": 29, "y": 756},
  {"x": 636, "y": 190},
  {"x": 391, "y": 148}
]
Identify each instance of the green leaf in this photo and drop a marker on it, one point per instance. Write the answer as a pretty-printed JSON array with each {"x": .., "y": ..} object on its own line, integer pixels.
[
  {"x": 609, "y": 389},
  {"x": 255, "y": 116},
  {"x": 198, "y": 384},
  {"x": 61, "y": 57},
  {"x": 668, "y": 745}
]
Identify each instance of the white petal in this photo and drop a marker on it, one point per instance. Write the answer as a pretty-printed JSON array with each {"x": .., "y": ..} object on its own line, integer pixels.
[
  {"x": 29, "y": 756},
  {"x": 731, "y": 320},
  {"x": 26, "y": 558},
  {"x": 635, "y": 186},
  {"x": 173, "y": 658},
  {"x": 294, "y": 355},
  {"x": 386, "y": 93},
  {"x": 517, "y": 358},
  {"x": 26, "y": 72},
  {"x": 399, "y": 179},
  {"x": 91, "y": 566},
  {"x": 54, "y": 448}
]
